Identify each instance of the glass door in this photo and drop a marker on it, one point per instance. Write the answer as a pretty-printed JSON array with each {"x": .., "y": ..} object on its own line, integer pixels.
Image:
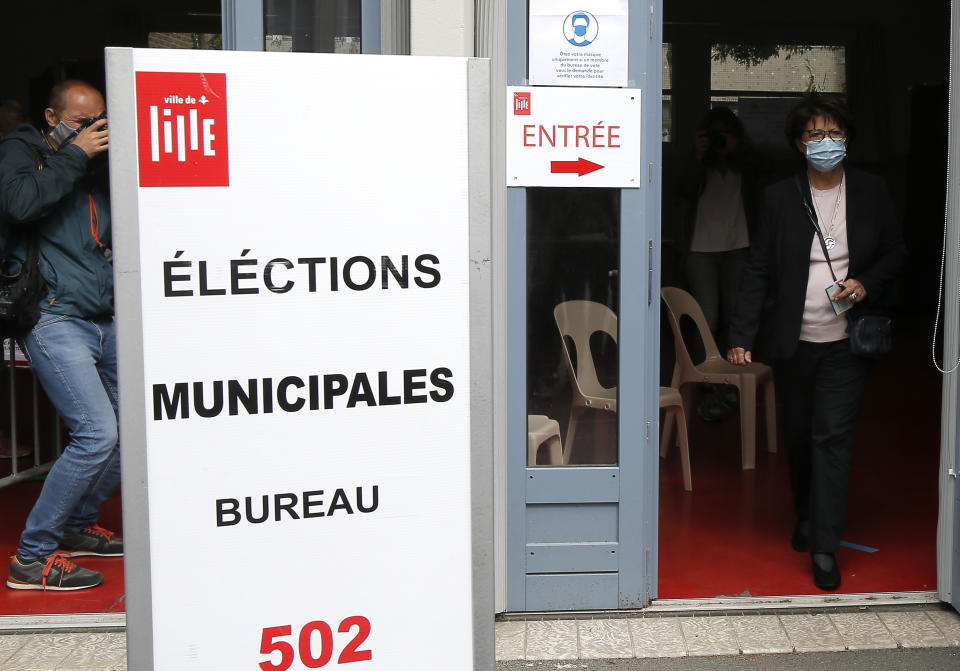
[
  {"x": 572, "y": 371},
  {"x": 582, "y": 378}
]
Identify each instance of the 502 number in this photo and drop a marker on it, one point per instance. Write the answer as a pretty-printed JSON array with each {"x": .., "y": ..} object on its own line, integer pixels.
[{"x": 314, "y": 654}]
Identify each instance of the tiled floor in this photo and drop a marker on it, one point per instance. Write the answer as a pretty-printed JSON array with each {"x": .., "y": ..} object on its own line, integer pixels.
[
  {"x": 63, "y": 652},
  {"x": 748, "y": 634},
  {"x": 675, "y": 635}
]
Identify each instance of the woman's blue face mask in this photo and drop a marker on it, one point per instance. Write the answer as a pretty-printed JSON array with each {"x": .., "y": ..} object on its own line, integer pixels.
[{"x": 826, "y": 154}]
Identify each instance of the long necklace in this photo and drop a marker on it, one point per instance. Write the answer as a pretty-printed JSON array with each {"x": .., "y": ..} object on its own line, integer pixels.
[{"x": 828, "y": 240}]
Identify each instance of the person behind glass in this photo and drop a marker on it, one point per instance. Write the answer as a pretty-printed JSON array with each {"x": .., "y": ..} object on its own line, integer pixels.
[
  {"x": 52, "y": 186},
  {"x": 784, "y": 309},
  {"x": 718, "y": 225}
]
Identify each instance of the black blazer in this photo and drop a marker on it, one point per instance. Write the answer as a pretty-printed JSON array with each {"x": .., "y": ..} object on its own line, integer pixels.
[{"x": 772, "y": 294}]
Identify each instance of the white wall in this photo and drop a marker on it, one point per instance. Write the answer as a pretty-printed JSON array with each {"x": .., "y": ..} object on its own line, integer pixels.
[{"x": 441, "y": 27}]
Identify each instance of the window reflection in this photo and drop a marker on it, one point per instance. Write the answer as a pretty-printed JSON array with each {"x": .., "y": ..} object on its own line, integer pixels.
[
  {"x": 317, "y": 26},
  {"x": 573, "y": 250},
  {"x": 211, "y": 41}
]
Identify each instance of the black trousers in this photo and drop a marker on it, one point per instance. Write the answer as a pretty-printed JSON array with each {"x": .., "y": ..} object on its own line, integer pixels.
[{"x": 821, "y": 388}]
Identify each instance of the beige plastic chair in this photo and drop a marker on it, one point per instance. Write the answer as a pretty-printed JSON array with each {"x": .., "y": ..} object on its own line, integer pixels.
[
  {"x": 579, "y": 320},
  {"x": 717, "y": 370},
  {"x": 672, "y": 401},
  {"x": 541, "y": 430}
]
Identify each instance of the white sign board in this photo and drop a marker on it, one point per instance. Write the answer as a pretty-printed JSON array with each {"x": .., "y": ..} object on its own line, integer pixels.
[
  {"x": 558, "y": 136},
  {"x": 578, "y": 43},
  {"x": 295, "y": 230}
]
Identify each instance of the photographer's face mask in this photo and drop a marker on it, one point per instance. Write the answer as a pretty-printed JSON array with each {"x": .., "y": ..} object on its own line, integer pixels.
[{"x": 63, "y": 134}]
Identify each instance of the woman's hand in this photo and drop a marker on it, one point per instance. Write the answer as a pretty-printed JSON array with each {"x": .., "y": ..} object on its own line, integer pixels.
[
  {"x": 739, "y": 356},
  {"x": 852, "y": 291}
]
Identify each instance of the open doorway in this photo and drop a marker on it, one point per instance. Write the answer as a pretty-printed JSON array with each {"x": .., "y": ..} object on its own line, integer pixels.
[
  {"x": 730, "y": 535},
  {"x": 42, "y": 46}
]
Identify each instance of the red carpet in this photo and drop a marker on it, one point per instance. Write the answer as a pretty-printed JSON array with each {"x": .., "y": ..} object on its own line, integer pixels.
[
  {"x": 15, "y": 502},
  {"x": 731, "y": 534}
]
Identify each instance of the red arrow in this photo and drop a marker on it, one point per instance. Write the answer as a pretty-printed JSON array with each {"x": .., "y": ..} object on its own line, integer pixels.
[{"x": 581, "y": 166}]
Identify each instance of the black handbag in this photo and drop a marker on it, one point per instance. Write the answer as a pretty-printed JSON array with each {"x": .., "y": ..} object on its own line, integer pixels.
[{"x": 870, "y": 334}]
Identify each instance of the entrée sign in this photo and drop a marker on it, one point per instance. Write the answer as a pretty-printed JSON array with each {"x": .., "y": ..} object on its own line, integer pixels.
[{"x": 560, "y": 136}]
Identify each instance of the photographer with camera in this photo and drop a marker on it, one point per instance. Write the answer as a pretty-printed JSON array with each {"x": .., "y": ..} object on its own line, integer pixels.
[
  {"x": 719, "y": 197},
  {"x": 53, "y": 199}
]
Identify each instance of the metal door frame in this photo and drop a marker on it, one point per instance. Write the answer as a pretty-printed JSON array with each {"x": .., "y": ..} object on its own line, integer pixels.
[
  {"x": 242, "y": 25},
  {"x": 638, "y": 322},
  {"x": 948, "y": 539}
]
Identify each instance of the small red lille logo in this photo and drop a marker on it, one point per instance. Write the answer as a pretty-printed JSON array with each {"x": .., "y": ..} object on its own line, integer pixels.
[
  {"x": 182, "y": 129},
  {"x": 521, "y": 103}
]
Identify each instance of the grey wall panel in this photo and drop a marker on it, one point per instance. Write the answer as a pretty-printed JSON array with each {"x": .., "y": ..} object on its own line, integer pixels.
[
  {"x": 571, "y": 522},
  {"x": 560, "y": 557},
  {"x": 595, "y": 591},
  {"x": 481, "y": 354},
  {"x": 395, "y": 27},
  {"x": 564, "y": 485},
  {"x": 133, "y": 432},
  {"x": 491, "y": 42}
]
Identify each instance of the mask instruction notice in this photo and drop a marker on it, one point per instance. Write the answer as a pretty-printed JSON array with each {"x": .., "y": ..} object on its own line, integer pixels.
[{"x": 578, "y": 44}]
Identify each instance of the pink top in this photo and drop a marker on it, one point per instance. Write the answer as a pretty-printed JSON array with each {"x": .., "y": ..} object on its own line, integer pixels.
[{"x": 820, "y": 323}]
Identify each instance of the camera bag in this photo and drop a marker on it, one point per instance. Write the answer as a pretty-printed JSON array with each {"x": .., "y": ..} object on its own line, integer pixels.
[{"x": 22, "y": 288}]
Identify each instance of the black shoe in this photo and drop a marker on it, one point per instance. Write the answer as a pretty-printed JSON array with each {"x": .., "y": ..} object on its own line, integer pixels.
[
  {"x": 54, "y": 573},
  {"x": 799, "y": 540},
  {"x": 826, "y": 578},
  {"x": 94, "y": 541}
]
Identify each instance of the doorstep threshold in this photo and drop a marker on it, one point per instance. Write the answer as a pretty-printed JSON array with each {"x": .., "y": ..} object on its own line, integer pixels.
[
  {"x": 64, "y": 622},
  {"x": 742, "y": 604},
  {"x": 738, "y": 603}
]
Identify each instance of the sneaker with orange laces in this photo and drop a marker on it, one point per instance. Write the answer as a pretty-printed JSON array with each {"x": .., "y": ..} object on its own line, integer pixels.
[
  {"x": 55, "y": 573},
  {"x": 94, "y": 541}
]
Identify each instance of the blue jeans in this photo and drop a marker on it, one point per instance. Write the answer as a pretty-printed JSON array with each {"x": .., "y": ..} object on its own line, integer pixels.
[{"x": 76, "y": 362}]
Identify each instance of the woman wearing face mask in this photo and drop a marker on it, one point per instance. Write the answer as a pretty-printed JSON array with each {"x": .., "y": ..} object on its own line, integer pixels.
[{"x": 783, "y": 309}]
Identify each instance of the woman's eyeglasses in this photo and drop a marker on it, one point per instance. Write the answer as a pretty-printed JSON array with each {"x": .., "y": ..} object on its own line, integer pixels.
[{"x": 817, "y": 135}]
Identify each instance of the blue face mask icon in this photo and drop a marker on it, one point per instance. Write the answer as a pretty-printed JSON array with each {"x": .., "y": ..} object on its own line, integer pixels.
[
  {"x": 580, "y": 29},
  {"x": 580, "y": 23}
]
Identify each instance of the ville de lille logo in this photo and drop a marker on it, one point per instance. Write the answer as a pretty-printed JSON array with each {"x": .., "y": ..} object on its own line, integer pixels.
[
  {"x": 182, "y": 129},
  {"x": 521, "y": 103}
]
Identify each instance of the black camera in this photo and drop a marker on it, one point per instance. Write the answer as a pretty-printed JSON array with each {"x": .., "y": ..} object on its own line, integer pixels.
[
  {"x": 90, "y": 121},
  {"x": 718, "y": 140}
]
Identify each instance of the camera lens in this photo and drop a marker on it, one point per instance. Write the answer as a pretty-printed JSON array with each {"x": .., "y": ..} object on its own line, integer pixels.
[{"x": 718, "y": 140}]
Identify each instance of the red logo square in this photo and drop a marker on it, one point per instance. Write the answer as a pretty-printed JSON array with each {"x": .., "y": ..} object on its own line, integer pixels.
[
  {"x": 182, "y": 129},
  {"x": 521, "y": 103}
]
